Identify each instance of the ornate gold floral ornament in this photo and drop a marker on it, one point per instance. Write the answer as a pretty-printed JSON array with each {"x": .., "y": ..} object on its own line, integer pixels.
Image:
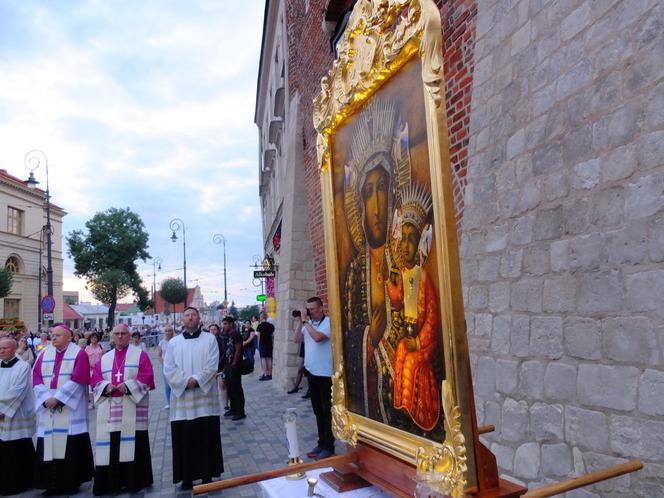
[{"x": 342, "y": 427}]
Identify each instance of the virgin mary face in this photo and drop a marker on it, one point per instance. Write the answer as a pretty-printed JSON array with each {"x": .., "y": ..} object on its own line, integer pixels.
[{"x": 375, "y": 201}]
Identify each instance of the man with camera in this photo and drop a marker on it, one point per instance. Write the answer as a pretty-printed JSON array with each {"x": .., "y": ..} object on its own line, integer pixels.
[{"x": 314, "y": 328}]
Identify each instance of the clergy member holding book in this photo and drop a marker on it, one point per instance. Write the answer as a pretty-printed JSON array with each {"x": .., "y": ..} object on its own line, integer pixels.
[
  {"x": 190, "y": 368},
  {"x": 60, "y": 378},
  {"x": 17, "y": 420},
  {"x": 122, "y": 381}
]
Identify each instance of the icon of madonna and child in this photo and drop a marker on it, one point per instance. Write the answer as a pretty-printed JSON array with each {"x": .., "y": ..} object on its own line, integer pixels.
[{"x": 392, "y": 335}]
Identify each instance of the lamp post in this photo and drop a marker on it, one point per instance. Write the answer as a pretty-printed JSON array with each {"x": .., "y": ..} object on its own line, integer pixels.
[
  {"x": 220, "y": 239},
  {"x": 33, "y": 160},
  {"x": 177, "y": 224},
  {"x": 156, "y": 265}
]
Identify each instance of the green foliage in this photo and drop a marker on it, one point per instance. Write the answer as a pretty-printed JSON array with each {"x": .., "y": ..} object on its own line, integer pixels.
[
  {"x": 6, "y": 281},
  {"x": 248, "y": 312},
  {"x": 106, "y": 256},
  {"x": 173, "y": 290}
]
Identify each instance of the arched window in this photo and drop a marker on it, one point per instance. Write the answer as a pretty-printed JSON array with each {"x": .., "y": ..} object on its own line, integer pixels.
[{"x": 12, "y": 264}]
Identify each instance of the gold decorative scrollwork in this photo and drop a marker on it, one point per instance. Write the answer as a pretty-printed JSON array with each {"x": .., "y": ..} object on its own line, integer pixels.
[
  {"x": 342, "y": 427},
  {"x": 381, "y": 36},
  {"x": 443, "y": 468}
]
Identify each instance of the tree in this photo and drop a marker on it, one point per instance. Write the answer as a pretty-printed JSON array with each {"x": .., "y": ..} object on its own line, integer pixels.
[
  {"x": 248, "y": 312},
  {"x": 106, "y": 256},
  {"x": 173, "y": 291},
  {"x": 6, "y": 281}
]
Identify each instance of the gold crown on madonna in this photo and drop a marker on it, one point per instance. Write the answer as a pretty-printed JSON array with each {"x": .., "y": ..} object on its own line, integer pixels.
[
  {"x": 415, "y": 205},
  {"x": 373, "y": 134}
]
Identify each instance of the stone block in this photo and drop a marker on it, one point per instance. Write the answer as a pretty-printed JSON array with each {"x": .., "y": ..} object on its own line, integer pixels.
[
  {"x": 556, "y": 459},
  {"x": 500, "y": 335},
  {"x": 576, "y": 21},
  {"x": 554, "y": 187},
  {"x": 638, "y": 438},
  {"x": 600, "y": 292},
  {"x": 651, "y": 150},
  {"x": 608, "y": 209},
  {"x": 546, "y": 422},
  {"x": 514, "y": 420},
  {"x": 520, "y": 335},
  {"x": 548, "y": 159},
  {"x": 586, "y": 429},
  {"x": 527, "y": 295},
  {"x": 527, "y": 461},
  {"x": 521, "y": 38},
  {"x": 478, "y": 297},
  {"x": 624, "y": 124},
  {"x": 582, "y": 338},
  {"x": 608, "y": 386},
  {"x": 559, "y": 259},
  {"x": 585, "y": 252},
  {"x": 511, "y": 263},
  {"x": 560, "y": 381},
  {"x": 595, "y": 462},
  {"x": 644, "y": 197},
  {"x": 546, "y": 336},
  {"x": 489, "y": 267},
  {"x": 656, "y": 239},
  {"x": 543, "y": 100},
  {"x": 492, "y": 416},
  {"x": 507, "y": 375},
  {"x": 630, "y": 339},
  {"x": 645, "y": 290},
  {"x": 530, "y": 195},
  {"x": 577, "y": 215},
  {"x": 504, "y": 456},
  {"x": 586, "y": 174},
  {"x": 577, "y": 144},
  {"x": 619, "y": 164},
  {"x": 485, "y": 378},
  {"x": 577, "y": 77},
  {"x": 496, "y": 238},
  {"x": 627, "y": 245},
  {"x": 531, "y": 379},
  {"x": 651, "y": 392},
  {"x": 516, "y": 144},
  {"x": 522, "y": 230},
  {"x": 559, "y": 294},
  {"x": 483, "y": 322},
  {"x": 548, "y": 224},
  {"x": 654, "y": 107},
  {"x": 537, "y": 259},
  {"x": 499, "y": 296}
]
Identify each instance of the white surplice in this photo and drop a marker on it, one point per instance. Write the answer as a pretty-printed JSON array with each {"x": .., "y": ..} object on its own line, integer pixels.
[{"x": 17, "y": 402}]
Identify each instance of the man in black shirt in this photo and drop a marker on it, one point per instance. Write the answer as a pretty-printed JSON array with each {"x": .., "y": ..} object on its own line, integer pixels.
[
  {"x": 266, "y": 331},
  {"x": 233, "y": 373}
]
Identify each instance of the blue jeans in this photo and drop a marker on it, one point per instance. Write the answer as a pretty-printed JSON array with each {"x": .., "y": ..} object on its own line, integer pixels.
[{"x": 168, "y": 391}]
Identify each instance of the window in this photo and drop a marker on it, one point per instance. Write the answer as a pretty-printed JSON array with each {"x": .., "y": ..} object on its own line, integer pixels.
[
  {"x": 12, "y": 308},
  {"x": 12, "y": 264},
  {"x": 14, "y": 220}
]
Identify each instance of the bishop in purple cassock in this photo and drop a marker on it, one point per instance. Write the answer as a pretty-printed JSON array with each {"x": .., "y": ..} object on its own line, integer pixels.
[{"x": 60, "y": 378}]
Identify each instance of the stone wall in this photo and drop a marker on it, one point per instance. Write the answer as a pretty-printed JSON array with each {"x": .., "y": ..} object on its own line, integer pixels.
[{"x": 563, "y": 238}]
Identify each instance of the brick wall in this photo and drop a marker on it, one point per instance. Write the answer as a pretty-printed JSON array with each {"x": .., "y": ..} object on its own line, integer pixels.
[{"x": 311, "y": 59}]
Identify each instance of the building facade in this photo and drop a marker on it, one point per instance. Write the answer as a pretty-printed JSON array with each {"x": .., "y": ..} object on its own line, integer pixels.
[
  {"x": 23, "y": 250},
  {"x": 556, "y": 116}
]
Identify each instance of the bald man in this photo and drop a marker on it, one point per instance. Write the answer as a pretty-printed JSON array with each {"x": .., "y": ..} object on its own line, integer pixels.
[
  {"x": 122, "y": 381},
  {"x": 17, "y": 420},
  {"x": 60, "y": 378}
]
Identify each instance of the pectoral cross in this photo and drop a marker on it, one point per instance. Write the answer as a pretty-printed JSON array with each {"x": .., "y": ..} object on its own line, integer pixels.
[{"x": 118, "y": 376}]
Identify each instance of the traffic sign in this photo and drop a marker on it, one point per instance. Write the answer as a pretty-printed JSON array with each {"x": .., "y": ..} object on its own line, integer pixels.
[
  {"x": 47, "y": 317},
  {"x": 48, "y": 304},
  {"x": 261, "y": 297},
  {"x": 264, "y": 273}
]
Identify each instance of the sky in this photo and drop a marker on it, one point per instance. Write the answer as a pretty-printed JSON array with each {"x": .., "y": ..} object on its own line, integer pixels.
[{"x": 147, "y": 105}]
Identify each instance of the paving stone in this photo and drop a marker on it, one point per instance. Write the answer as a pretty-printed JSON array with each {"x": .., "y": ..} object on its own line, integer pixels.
[
  {"x": 527, "y": 461},
  {"x": 514, "y": 420},
  {"x": 608, "y": 386},
  {"x": 651, "y": 392},
  {"x": 546, "y": 422},
  {"x": 586, "y": 428},
  {"x": 556, "y": 459}
]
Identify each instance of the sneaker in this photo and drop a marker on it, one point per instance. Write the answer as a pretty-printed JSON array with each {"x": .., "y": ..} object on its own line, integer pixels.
[
  {"x": 324, "y": 454},
  {"x": 307, "y": 395},
  {"x": 228, "y": 413},
  {"x": 166, "y": 407},
  {"x": 262, "y": 377},
  {"x": 315, "y": 452},
  {"x": 293, "y": 391},
  {"x": 239, "y": 417},
  {"x": 186, "y": 486}
]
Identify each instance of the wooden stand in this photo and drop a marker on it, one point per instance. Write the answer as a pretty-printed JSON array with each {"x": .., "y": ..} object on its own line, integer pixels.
[{"x": 344, "y": 478}]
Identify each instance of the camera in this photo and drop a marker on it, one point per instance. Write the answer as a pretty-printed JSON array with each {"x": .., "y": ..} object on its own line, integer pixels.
[{"x": 298, "y": 313}]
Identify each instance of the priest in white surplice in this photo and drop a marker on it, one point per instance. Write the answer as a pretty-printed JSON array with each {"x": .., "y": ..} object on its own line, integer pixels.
[
  {"x": 17, "y": 420},
  {"x": 121, "y": 381},
  {"x": 190, "y": 368},
  {"x": 61, "y": 376}
]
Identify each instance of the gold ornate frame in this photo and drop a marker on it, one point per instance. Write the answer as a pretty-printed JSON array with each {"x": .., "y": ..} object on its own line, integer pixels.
[{"x": 382, "y": 36}]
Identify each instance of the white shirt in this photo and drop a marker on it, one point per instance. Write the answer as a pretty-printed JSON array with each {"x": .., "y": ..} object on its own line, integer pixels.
[{"x": 318, "y": 355}]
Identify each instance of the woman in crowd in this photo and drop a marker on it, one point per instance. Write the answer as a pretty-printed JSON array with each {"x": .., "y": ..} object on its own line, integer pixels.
[
  {"x": 161, "y": 354},
  {"x": 222, "y": 341},
  {"x": 24, "y": 352}
]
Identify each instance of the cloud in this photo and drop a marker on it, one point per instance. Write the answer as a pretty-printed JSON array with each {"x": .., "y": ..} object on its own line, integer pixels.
[{"x": 147, "y": 105}]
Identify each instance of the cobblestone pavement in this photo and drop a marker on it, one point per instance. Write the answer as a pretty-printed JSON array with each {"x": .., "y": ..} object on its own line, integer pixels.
[{"x": 254, "y": 444}]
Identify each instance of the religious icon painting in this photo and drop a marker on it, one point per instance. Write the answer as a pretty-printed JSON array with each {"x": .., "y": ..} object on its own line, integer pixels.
[{"x": 401, "y": 379}]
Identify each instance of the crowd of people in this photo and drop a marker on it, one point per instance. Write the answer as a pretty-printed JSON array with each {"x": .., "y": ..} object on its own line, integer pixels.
[{"x": 50, "y": 383}]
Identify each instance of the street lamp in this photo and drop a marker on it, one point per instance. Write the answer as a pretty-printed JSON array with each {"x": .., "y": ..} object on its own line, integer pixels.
[
  {"x": 33, "y": 160},
  {"x": 176, "y": 225},
  {"x": 156, "y": 265},
  {"x": 220, "y": 239}
]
